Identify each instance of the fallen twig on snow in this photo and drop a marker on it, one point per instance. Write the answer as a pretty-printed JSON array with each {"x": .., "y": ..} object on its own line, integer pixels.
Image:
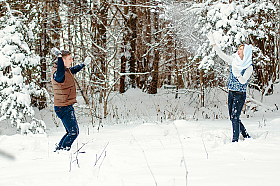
[
  {"x": 77, "y": 152},
  {"x": 183, "y": 156},
  {"x": 205, "y": 148},
  {"x": 97, "y": 159},
  {"x": 204, "y": 144},
  {"x": 145, "y": 159}
]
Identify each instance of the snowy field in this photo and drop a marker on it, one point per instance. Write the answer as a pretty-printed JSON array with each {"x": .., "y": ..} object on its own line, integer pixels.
[{"x": 148, "y": 154}]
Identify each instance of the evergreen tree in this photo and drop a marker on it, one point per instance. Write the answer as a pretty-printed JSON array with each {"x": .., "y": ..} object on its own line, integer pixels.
[{"x": 19, "y": 71}]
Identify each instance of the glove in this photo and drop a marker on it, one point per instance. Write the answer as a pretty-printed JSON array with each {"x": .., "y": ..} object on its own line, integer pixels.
[
  {"x": 87, "y": 61},
  {"x": 55, "y": 51},
  {"x": 211, "y": 38}
]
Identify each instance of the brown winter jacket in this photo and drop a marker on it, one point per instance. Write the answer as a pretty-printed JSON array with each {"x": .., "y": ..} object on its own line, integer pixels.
[{"x": 64, "y": 93}]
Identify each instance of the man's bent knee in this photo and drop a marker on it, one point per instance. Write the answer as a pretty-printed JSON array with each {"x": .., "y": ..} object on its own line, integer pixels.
[{"x": 74, "y": 134}]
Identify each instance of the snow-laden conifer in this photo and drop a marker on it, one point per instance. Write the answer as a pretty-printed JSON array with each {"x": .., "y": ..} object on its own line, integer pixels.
[{"x": 18, "y": 73}]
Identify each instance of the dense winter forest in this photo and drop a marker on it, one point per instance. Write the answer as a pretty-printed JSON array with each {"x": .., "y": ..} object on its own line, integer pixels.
[
  {"x": 152, "y": 105},
  {"x": 134, "y": 44}
]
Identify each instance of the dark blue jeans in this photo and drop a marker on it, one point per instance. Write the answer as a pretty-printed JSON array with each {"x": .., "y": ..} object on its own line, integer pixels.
[
  {"x": 236, "y": 101},
  {"x": 67, "y": 116}
]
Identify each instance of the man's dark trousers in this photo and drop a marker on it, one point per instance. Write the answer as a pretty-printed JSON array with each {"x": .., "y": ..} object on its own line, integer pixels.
[{"x": 67, "y": 116}]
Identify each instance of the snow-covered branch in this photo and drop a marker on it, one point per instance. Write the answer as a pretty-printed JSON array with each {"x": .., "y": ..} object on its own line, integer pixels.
[{"x": 251, "y": 99}]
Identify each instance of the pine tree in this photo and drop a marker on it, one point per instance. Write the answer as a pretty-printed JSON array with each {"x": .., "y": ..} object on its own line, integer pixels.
[{"x": 19, "y": 72}]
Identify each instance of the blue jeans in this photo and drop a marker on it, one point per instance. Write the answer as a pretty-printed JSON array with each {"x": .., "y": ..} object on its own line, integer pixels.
[
  {"x": 236, "y": 101},
  {"x": 67, "y": 116}
]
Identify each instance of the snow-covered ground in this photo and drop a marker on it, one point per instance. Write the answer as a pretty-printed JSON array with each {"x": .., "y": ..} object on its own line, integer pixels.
[{"x": 151, "y": 153}]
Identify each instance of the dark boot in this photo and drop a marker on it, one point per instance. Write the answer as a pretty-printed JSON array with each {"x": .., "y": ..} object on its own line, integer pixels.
[
  {"x": 246, "y": 135},
  {"x": 58, "y": 148}
]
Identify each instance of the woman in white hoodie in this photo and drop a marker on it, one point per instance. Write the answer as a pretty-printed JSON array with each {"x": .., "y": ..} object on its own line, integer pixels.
[{"x": 241, "y": 70}]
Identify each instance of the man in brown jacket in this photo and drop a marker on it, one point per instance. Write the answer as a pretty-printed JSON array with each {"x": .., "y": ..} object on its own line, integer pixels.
[{"x": 64, "y": 89}]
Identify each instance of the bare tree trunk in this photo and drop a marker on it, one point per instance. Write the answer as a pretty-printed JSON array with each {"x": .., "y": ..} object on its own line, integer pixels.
[
  {"x": 147, "y": 57},
  {"x": 177, "y": 70},
  {"x": 102, "y": 39},
  {"x": 43, "y": 53},
  {"x": 124, "y": 48},
  {"x": 154, "y": 83},
  {"x": 202, "y": 88},
  {"x": 122, "y": 79},
  {"x": 133, "y": 37}
]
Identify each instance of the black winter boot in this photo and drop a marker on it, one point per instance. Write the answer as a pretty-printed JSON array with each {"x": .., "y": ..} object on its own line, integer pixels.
[
  {"x": 246, "y": 135},
  {"x": 57, "y": 148}
]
